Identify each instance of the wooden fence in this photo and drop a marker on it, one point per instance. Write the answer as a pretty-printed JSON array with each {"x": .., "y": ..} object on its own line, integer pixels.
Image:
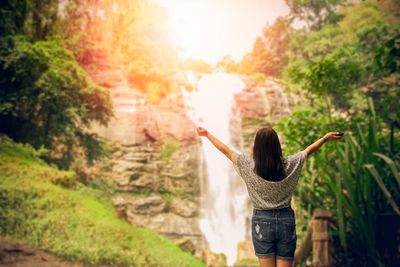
[{"x": 317, "y": 240}]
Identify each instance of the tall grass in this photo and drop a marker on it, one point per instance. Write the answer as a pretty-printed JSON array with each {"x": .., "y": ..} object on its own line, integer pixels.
[{"x": 365, "y": 184}]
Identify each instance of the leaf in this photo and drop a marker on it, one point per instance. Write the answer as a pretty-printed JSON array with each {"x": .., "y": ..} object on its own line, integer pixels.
[
  {"x": 379, "y": 180},
  {"x": 390, "y": 43},
  {"x": 392, "y": 166}
]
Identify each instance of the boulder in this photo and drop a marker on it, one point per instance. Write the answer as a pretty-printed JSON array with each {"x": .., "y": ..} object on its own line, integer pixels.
[
  {"x": 245, "y": 251},
  {"x": 140, "y": 204},
  {"x": 136, "y": 182},
  {"x": 173, "y": 184},
  {"x": 184, "y": 207},
  {"x": 186, "y": 245},
  {"x": 172, "y": 224},
  {"x": 213, "y": 259}
]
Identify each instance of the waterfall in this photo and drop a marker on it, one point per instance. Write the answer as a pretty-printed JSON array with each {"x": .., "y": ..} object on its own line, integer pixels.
[{"x": 224, "y": 196}]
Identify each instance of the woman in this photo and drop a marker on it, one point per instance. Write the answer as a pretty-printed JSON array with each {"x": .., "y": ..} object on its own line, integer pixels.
[{"x": 271, "y": 180}]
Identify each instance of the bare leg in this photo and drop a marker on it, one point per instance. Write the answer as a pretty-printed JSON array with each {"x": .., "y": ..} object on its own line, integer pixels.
[
  {"x": 283, "y": 263},
  {"x": 267, "y": 262}
]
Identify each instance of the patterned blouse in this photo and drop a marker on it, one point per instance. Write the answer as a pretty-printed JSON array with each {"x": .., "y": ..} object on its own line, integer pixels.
[{"x": 265, "y": 194}]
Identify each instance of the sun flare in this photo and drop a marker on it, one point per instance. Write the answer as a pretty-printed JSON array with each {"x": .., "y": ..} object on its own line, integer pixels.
[
  {"x": 195, "y": 23},
  {"x": 210, "y": 29}
]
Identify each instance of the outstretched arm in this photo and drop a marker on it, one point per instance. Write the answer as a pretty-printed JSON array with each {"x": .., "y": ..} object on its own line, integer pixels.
[
  {"x": 218, "y": 144},
  {"x": 328, "y": 137}
]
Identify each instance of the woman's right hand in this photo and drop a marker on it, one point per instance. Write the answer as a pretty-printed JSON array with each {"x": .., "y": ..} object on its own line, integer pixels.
[
  {"x": 201, "y": 131},
  {"x": 333, "y": 136}
]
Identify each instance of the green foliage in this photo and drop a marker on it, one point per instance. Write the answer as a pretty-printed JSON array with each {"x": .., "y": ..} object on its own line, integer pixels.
[
  {"x": 46, "y": 97},
  {"x": 388, "y": 56},
  {"x": 385, "y": 82},
  {"x": 339, "y": 179},
  {"x": 269, "y": 50},
  {"x": 364, "y": 188},
  {"x": 78, "y": 225},
  {"x": 328, "y": 79},
  {"x": 315, "y": 14},
  {"x": 42, "y": 19},
  {"x": 65, "y": 180},
  {"x": 352, "y": 42},
  {"x": 168, "y": 148},
  {"x": 12, "y": 16},
  {"x": 319, "y": 44},
  {"x": 355, "y": 179}
]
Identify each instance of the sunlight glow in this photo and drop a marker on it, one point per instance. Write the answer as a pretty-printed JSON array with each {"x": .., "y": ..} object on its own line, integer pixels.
[{"x": 210, "y": 29}]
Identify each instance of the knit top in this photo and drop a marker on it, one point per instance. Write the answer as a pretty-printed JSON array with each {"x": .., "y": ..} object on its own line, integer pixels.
[{"x": 264, "y": 194}]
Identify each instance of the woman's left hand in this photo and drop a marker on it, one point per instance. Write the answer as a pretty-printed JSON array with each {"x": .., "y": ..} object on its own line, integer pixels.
[{"x": 333, "y": 136}]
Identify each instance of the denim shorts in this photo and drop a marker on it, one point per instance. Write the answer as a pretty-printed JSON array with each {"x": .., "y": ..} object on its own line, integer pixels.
[{"x": 274, "y": 233}]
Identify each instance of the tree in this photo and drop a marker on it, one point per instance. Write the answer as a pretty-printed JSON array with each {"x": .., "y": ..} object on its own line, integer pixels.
[
  {"x": 46, "y": 98},
  {"x": 270, "y": 51},
  {"x": 315, "y": 13},
  {"x": 12, "y": 16},
  {"x": 328, "y": 80}
]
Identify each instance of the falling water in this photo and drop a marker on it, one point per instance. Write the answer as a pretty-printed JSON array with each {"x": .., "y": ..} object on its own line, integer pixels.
[{"x": 223, "y": 195}]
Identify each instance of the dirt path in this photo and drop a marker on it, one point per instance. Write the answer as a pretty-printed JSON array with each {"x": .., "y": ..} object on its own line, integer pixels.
[{"x": 18, "y": 253}]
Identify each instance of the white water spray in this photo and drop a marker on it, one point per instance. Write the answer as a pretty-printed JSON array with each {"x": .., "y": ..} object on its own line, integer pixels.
[{"x": 224, "y": 196}]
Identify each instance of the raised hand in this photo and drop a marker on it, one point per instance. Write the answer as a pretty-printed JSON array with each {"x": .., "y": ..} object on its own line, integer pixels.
[
  {"x": 333, "y": 136},
  {"x": 201, "y": 131}
]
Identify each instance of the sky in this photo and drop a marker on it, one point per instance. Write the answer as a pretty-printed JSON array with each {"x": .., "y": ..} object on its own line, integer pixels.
[{"x": 210, "y": 29}]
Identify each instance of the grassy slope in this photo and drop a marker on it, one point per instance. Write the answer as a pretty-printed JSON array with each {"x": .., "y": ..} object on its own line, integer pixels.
[{"x": 74, "y": 223}]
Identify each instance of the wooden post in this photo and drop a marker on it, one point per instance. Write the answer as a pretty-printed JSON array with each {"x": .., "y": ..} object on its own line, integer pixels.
[
  {"x": 321, "y": 238},
  {"x": 305, "y": 248}
]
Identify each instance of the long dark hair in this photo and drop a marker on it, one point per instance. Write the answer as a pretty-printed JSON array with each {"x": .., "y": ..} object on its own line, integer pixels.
[{"x": 267, "y": 155}]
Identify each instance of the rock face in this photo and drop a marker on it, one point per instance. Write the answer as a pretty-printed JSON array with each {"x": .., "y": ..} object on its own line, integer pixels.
[
  {"x": 157, "y": 154},
  {"x": 184, "y": 207},
  {"x": 140, "y": 168},
  {"x": 176, "y": 220},
  {"x": 259, "y": 106}
]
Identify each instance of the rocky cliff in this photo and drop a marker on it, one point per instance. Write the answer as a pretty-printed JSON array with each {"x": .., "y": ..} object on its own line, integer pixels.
[{"x": 155, "y": 164}]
